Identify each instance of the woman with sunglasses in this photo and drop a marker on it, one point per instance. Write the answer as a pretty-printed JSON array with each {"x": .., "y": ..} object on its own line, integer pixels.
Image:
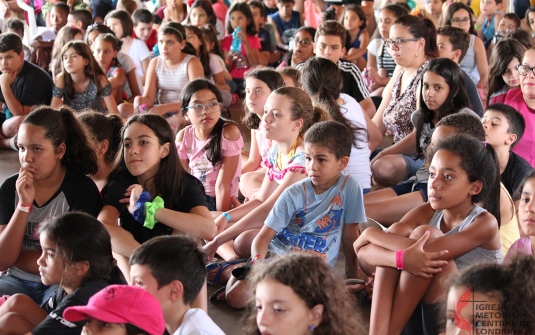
[
  {"x": 412, "y": 44},
  {"x": 523, "y": 100},
  {"x": 303, "y": 47},
  {"x": 475, "y": 61}
]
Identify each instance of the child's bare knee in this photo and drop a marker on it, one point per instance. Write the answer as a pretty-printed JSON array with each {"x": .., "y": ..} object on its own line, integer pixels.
[
  {"x": 238, "y": 294},
  {"x": 420, "y": 231}
]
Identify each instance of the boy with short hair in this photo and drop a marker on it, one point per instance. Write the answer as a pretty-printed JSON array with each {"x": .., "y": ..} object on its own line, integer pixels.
[
  {"x": 80, "y": 18},
  {"x": 329, "y": 43},
  {"x": 504, "y": 127},
  {"x": 314, "y": 215},
  {"x": 268, "y": 54},
  {"x": 58, "y": 19},
  {"x": 488, "y": 21},
  {"x": 22, "y": 86},
  {"x": 453, "y": 43},
  {"x": 286, "y": 21},
  {"x": 143, "y": 21},
  {"x": 171, "y": 268},
  {"x": 16, "y": 26}
]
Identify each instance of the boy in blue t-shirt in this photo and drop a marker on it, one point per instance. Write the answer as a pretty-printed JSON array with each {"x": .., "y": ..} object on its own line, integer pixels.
[
  {"x": 318, "y": 213},
  {"x": 286, "y": 21},
  {"x": 314, "y": 215}
]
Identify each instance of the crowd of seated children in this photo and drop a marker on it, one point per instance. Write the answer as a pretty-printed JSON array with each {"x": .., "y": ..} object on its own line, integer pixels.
[{"x": 137, "y": 137}]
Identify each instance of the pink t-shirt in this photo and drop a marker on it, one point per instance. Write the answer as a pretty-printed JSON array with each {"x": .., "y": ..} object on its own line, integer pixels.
[
  {"x": 522, "y": 245},
  {"x": 312, "y": 17},
  {"x": 192, "y": 149},
  {"x": 525, "y": 148},
  {"x": 263, "y": 143},
  {"x": 254, "y": 43}
]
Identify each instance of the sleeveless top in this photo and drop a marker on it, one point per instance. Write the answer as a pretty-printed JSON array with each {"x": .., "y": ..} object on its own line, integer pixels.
[
  {"x": 468, "y": 64},
  {"x": 171, "y": 82},
  {"x": 488, "y": 28},
  {"x": 509, "y": 232},
  {"x": 397, "y": 115},
  {"x": 287, "y": 29},
  {"x": 476, "y": 255},
  {"x": 356, "y": 43}
]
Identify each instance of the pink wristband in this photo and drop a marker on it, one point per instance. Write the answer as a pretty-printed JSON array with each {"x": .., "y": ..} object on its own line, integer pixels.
[{"x": 399, "y": 259}]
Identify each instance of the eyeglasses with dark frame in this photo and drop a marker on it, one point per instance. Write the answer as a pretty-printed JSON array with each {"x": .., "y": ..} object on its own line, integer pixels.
[
  {"x": 398, "y": 42},
  {"x": 524, "y": 70}
]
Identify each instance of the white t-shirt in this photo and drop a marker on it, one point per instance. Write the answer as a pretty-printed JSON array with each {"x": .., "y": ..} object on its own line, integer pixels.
[
  {"x": 197, "y": 322},
  {"x": 138, "y": 52},
  {"x": 359, "y": 161},
  {"x": 128, "y": 65}
]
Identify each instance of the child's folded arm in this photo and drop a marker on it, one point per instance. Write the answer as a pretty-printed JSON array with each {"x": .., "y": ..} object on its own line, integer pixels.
[{"x": 481, "y": 233}]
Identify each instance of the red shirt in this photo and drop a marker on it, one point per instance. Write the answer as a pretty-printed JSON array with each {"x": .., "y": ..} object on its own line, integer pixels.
[{"x": 151, "y": 41}]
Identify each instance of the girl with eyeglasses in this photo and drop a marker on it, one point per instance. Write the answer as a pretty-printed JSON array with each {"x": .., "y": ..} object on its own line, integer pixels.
[
  {"x": 523, "y": 100},
  {"x": 474, "y": 62},
  {"x": 210, "y": 148},
  {"x": 303, "y": 47}
]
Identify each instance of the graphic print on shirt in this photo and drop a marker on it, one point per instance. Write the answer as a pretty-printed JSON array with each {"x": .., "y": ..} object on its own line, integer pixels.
[
  {"x": 320, "y": 236},
  {"x": 201, "y": 168}
]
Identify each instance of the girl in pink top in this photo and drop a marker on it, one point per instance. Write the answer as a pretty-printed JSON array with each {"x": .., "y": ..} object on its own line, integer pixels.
[
  {"x": 240, "y": 15},
  {"x": 210, "y": 148},
  {"x": 259, "y": 83},
  {"x": 526, "y": 219}
]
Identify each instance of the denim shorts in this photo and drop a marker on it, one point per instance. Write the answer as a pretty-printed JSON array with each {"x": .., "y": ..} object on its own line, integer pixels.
[
  {"x": 210, "y": 203},
  {"x": 413, "y": 165},
  {"x": 405, "y": 188},
  {"x": 39, "y": 292}
]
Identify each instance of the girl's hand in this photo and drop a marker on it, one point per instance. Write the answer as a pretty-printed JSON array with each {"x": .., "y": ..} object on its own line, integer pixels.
[
  {"x": 135, "y": 191},
  {"x": 220, "y": 223},
  {"x": 374, "y": 74},
  {"x": 295, "y": 60},
  {"x": 24, "y": 186},
  {"x": 210, "y": 249},
  {"x": 420, "y": 263}
]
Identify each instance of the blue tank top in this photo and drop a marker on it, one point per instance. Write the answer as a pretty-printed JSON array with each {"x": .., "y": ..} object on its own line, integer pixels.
[
  {"x": 287, "y": 29},
  {"x": 356, "y": 44}
]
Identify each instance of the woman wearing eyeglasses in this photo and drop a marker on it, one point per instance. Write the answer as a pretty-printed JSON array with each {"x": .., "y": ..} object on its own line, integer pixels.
[
  {"x": 475, "y": 61},
  {"x": 523, "y": 100},
  {"x": 412, "y": 44},
  {"x": 303, "y": 47}
]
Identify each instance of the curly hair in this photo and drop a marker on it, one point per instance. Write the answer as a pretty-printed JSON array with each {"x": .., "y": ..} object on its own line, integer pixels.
[
  {"x": 513, "y": 285},
  {"x": 312, "y": 280}
]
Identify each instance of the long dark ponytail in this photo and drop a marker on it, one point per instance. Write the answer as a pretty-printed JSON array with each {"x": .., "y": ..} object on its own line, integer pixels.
[
  {"x": 326, "y": 89},
  {"x": 61, "y": 126}
]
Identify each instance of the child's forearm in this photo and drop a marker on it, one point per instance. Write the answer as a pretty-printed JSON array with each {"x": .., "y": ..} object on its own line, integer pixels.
[
  {"x": 251, "y": 56},
  {"x": 191, "y": 223},
  {"x": 260, "y": 244},
  {"x": 14, "y": 106},
  {"x": 222, "y": 196},
  {"x": 247, "y": 216}
]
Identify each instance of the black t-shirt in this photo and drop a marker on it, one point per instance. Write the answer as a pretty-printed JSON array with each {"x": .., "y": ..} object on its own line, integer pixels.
[
  {"x": 33, "y": 86},
  {"x": 265, "y": 39},
  {"x": 473, "y": 94},
  {"x": 54, "y": 322},
  {"x": 76, "y": 193},
  {"x": 193, "y": 197},
  {"x": 517, "y": 168}
]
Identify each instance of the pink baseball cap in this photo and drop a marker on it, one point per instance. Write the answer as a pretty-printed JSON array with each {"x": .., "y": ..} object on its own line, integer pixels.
[{"x": 122, "y": 304}]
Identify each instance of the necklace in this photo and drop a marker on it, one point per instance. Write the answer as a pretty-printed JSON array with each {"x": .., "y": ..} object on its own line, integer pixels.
[{"x": 290, "y": 154}]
